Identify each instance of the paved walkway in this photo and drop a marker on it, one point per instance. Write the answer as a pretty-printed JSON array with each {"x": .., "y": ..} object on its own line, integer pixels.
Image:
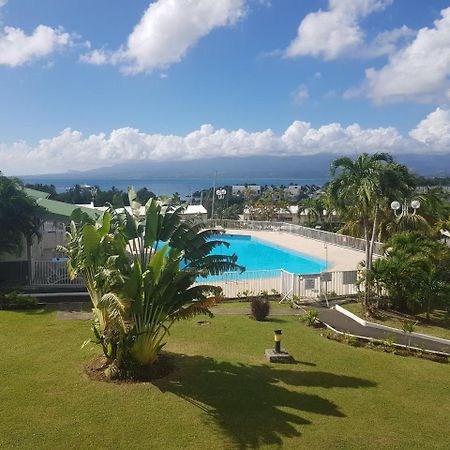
[{"x": 344, "y": 324}]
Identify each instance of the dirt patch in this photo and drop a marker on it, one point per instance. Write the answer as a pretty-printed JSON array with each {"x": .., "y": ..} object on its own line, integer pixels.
[
  {"x": 73, "y": 315},
  {"x": 95, "y": 369}
]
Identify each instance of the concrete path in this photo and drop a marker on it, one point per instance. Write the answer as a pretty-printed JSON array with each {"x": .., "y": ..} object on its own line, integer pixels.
[{"x": 344, "y": 324}]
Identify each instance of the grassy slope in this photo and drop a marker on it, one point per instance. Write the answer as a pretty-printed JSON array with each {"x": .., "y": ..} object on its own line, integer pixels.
[
  {"x": 439, "y": 324},
  {"x": 223, "y": 394}
]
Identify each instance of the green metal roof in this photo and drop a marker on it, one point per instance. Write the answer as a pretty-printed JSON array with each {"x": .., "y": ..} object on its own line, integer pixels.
[
  {"x": 57, "y": 209},
  {"x": 65, "y": 210},
  {"x": 33, "y": 193}
]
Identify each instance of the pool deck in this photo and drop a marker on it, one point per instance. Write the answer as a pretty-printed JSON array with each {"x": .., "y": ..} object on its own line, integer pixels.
[{"x": 339, "y": 258}]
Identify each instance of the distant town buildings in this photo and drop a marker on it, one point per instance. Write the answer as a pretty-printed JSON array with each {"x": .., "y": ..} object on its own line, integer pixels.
[{"x": 241, "y": 189}]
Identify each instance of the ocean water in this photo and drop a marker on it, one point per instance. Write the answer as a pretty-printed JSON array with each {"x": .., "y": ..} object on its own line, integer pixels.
[
  {"x": 256, "y": 254},
  {"x": 166, "y": 186}
]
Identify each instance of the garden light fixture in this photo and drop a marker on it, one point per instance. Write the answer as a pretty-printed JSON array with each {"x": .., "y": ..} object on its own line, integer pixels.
[
  {"x": 277, "y": 339},
  {"x": 401, "y": 210}
]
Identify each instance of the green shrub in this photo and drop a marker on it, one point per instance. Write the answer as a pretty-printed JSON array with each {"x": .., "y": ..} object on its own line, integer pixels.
[
  {"x": 14, "y": 300},
  {"x": 310, "y": 317},
  {"x": 388, "y": 344},
  {"x": 351, "y": 340},
  {"x": 329, "y": 334},
  {"x": 260, "y": 308}
]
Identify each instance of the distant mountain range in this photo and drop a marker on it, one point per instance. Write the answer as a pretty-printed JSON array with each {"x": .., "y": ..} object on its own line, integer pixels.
[{"x": 312, "y": 166}]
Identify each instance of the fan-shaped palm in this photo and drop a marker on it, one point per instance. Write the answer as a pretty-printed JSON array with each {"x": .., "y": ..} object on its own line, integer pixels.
[{"x": 141, "y": 269}]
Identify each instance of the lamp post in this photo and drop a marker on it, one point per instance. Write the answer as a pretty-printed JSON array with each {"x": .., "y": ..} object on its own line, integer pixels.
[
  {"x": 93, "y": 191},
  {"x": 220, "y": 193},
  {"x": 325, "y": 246},
  {"x": 403, "y": 209},
  {"x": 277, "y": 339}
]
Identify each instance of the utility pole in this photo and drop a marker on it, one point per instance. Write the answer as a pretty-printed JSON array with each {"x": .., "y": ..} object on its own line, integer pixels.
[{"x": 214, "y": 195}]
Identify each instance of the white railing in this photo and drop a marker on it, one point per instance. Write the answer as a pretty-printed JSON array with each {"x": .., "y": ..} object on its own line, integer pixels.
[
  {"x": 320, "y": 285},
  {"x": 253, "y": 282},
  {"x": 328, "y": 237},
  {"x": 51, "y": 273},
  {"x": 234, "y": 284}
]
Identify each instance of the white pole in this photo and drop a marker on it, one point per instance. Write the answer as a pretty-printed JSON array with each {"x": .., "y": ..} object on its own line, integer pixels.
[{"x": 214, "y": 195}]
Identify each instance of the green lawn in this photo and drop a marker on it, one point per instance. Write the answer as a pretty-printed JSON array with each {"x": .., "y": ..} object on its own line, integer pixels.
[
  {"x": 246, "y": 305},
  {"x": 222, "y": 396},
  {"x": 439, "y": 324}
]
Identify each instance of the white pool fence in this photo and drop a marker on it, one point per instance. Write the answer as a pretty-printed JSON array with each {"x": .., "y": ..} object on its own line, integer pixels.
[
  {"x": 233, "y": 284},
  {"x": 52, "y": 273},
  {"x": 328, "y": 237}
]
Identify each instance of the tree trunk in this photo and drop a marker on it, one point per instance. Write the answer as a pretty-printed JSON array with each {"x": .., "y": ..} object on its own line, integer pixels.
[
  {"x": 29, "y": 263},
  {"x": 372, "y": 238},
  {"x": 367, "y": 283}
]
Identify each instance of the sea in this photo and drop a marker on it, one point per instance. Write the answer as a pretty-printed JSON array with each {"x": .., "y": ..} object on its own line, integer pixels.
[{"x": 185, "y": 187}]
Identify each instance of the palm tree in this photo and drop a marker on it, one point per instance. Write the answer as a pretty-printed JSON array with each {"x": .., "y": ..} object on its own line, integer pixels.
[
  {"x": 20, "y": 218},
  {"x": 413, "y": 270},
  {"x": 361, "y": 188},
  {"x": 142, "y": 274},
  {"x": 313, "y": 207}
]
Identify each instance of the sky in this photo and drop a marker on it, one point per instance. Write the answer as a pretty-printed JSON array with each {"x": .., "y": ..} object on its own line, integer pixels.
[{"x": 91, "y": 83}]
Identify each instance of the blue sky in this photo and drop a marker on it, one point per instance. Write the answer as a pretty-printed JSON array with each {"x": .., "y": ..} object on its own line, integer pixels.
[{"x": 266, "y": 67}]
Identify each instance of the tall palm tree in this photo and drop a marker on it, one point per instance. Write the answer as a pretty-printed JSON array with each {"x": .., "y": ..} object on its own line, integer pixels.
[{"x": 361, "y": 188}]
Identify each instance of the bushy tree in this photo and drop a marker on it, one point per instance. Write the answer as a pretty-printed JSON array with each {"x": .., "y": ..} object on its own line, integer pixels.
[
  {"x": 270, "y": 204},
  {"x": 414, "y": 272},
  {"x": 20, "y": 217}
]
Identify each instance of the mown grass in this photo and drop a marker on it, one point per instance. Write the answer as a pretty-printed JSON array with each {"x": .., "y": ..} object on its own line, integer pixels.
[
  {"x": 438, "y": 325},
  {"x": 222, "y": 395},
  {"x": 245, "y": 305}
]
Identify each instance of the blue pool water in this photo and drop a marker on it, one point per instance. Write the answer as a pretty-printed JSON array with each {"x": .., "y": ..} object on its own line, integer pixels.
[{"x": 255, "y": 254}]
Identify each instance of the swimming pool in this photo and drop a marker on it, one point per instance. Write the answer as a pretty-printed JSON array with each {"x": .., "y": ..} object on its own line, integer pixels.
[{"x": 256, "y": 254}]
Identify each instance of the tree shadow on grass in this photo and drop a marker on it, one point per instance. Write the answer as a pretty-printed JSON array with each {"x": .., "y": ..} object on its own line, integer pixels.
[
  {"x": 275, "y": 320},
  {"x": 254, "y": 405}
]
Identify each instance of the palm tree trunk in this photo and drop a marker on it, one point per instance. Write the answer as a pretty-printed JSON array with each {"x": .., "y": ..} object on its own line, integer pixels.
[
  {"x": 29, "y": 263},
  {"x": 366, "y": 284},
  {"x": 372, "y": 238}
]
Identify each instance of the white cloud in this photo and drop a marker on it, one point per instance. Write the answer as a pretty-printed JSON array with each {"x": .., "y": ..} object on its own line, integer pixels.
[
  {"x": 95, "y": 57},
  {"x": 18, "y": 48},
  {"x": 418, "y": 72},
  {"x": 71, "y": 150},
  {"x": 166, "y": 31},
  {"x": 300, "y": 94},
  {"x": 387, "y": 42},
  {"x": 334, "y": 32},
  {"x": 434, "y": 130}
]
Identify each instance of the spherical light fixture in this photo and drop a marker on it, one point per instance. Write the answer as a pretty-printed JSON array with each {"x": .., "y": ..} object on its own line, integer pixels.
[
  {"x": 395, "y": 205},
  {"x": 221, "y": 193}
]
